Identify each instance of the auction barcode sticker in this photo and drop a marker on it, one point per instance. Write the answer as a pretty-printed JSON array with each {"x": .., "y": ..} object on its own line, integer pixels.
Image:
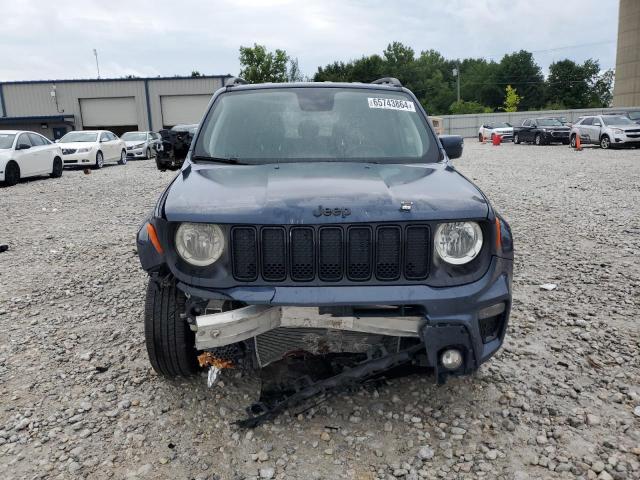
[{"x": 391, "y": 104}]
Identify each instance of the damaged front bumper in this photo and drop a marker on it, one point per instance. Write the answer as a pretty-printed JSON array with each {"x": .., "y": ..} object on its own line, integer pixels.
[{"x": 471, "y": 318}]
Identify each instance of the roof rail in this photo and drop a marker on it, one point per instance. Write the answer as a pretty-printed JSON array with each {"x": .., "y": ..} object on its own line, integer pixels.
[
  {"x": 388, "y": 81},
  {"x": 233, "y": 81}
]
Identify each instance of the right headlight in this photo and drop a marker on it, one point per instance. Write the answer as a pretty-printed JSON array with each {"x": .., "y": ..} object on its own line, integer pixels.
[
  {"x": 458, "y": 243},
  {"x": 199, "y": 244}
]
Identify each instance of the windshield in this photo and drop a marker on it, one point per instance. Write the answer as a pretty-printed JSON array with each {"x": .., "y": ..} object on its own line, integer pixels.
[
  {"x": 79, "y": 137},
  {"x": 316, "y": 124},
  {"x": 634, "y": 115},
  {"x": 134, "y": 136},
  {"x": 548, "y": 122},
  {"x": 6, "y": 140},
  {"x": 501, "y": 125},
  {"x": 616, "y": 120}
]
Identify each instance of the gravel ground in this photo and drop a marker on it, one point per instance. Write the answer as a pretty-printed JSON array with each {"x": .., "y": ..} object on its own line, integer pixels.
[{"x": 561, "y": 400}]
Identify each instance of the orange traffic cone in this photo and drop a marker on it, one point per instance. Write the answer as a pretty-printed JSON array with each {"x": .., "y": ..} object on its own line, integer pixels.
[{"x": 578, "y": 145}]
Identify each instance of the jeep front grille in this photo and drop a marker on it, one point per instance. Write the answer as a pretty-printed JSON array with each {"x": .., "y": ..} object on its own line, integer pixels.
[{"x": 329, "y": 254}]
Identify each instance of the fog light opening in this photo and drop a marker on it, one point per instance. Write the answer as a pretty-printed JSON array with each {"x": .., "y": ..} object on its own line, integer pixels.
[{"x": 451, "y": 359}]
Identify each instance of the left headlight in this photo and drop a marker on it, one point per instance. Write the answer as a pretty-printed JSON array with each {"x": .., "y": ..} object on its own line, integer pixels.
[
  {"x": 84, "y": 150},
  {"x": 140, "y": 145},
  {"x": 458, "y": 243},
  {"x": 618, "y": 131},
  {"x": 199, "y": 244}
]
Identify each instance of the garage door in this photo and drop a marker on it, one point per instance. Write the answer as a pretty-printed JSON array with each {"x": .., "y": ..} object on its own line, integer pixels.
[
  {"x": 102, "y": 112},
  {"x": 183, "y": 109}
]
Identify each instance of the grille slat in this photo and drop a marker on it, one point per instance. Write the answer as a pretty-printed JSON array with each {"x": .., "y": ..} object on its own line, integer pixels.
[
  {"x": 330, "y": 255},
  {"x": 245, "y": 253},
  {"x": 274, "y": 258},
  {"x": 302, "y": 254},
  {"x": 388, "y": 253},
  {"x": 359, "y": 254},
  {"x": 353, "y": 253},
  {"x": 416, "y": 256}
]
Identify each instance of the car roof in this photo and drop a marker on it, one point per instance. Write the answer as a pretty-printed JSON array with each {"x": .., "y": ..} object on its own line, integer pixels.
[
  {"x": 354, "y": 85},
  {"x": 11, "y": 132}
]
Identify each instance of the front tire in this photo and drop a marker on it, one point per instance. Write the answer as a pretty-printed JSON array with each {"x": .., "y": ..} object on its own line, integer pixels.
[
  {"x": 148, "y": 154},
  {"x": 605, "y": 142},
  {"x": 538, "y": 140},
  {"x": 170, "y": 342},
  {"x": 516, "y": 139},
  {"x": 572, "y": 142},
  {"x": 480, "y": 137},
  {"x": 56, "y": 172},
  {"x": 99, "y": 161},
  {"x": 11, "y": 174},
  {"x": 123, "y": 158}
]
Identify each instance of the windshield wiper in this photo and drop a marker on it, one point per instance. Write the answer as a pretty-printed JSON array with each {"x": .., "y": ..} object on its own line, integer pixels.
[{"x": 204, "y": 158}]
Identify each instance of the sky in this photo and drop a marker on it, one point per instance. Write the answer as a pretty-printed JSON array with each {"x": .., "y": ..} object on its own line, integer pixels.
[{"x": 55, "y": 40}]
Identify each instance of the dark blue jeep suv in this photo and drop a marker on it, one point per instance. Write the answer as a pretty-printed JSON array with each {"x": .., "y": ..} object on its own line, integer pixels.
[{"x": 323, "y": 218}]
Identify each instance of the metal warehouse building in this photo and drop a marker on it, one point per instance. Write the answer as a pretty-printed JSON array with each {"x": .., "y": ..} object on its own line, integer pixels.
[{"x": 54, "y": 107}]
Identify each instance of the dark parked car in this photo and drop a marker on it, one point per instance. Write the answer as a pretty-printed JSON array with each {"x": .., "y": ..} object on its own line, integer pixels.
[
  {"x": 317, "y": 219},
  {"x": 175, "y": 146},
  {"x": 541, "y": 131}
]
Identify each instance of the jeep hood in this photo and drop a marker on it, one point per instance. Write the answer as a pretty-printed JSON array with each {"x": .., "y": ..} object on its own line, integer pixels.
[{"x": 290, "y": 193}]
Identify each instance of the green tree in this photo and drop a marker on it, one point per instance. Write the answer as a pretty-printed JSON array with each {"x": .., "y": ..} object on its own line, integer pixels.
[
  {"x": 602, "y": 90},
  {"x": 511, "y": 99},
  {"x": 293, "y": 73},
  {"x": 462, "y": 107},
  {"x": 579, "y": 85},
  {"x": 195, "y": 73},
  {"x": 258, "y": 65},
  {"x": 478, "y": 82},
  {"x": 520, "y": 70}
]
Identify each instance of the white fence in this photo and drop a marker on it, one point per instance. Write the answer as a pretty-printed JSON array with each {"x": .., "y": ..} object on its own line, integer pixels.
[{"x": 468, "y": 125}]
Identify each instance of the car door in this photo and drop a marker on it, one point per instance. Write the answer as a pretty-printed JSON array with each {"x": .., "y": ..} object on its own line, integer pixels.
[
  {"x": 43, "y": 161},
  {"x": 106, "y": 147},
  {"x": 596, "y": 129},
  {"x": 525, "y": 130},
  {"x": 25, "y": 156},
  {"x": 116, "y": 145},
  {"x": 585, "y": 130}
]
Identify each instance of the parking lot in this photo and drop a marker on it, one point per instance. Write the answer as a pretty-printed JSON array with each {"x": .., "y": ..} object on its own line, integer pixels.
[{"x": 561, "y": 400}]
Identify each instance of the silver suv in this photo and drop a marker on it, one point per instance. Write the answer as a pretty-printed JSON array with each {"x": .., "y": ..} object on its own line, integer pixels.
[{"x": 606, "y": 130}]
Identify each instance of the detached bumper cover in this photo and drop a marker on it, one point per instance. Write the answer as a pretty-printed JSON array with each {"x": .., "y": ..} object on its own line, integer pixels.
[{"x": 456, "y": 307}]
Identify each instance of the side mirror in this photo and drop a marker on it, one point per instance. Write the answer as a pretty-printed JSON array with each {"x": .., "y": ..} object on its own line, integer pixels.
[
  {"x": 597, "y": 124},
  {"x": 23, "y": 146},
  {"x": 453, "y": 145},
  {"x": 58, "y": 140}
]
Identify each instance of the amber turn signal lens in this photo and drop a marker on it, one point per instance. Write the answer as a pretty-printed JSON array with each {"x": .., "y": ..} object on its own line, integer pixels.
[
  {"x": 498, "y": 235},
  {"x": 153, "y": 236}
]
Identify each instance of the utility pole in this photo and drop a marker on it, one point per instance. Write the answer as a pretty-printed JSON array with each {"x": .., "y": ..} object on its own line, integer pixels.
[
  {"x": 95, "y": 52},
  {"x": 456, "y": 73}
]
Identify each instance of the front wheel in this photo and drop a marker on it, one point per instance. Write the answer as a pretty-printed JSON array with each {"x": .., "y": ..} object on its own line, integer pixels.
[
  {"x": 572, "y": 142},
  {"x": 148, "y": 154},
  {"x": 56, "y": 172},
  {"x": 169, "y": 340},
  {"x": 480, "y": 137},
  {"x": 605, "y": 142},
  {"x": 99, "y": 160},
  {"x": 123, "y": 158},
  {"x": 538, "y": 139},
  {"x": 516, "y": 139},
  {"x": 11, "y": 174}
]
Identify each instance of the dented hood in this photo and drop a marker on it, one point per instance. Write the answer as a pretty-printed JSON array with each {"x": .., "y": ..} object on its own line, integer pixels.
[{"x": 291, "y": 193}]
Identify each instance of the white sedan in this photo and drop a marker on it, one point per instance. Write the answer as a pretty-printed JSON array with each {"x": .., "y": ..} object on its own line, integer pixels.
[
  {"x": 27, "y": 154},
  {"x": 488, "y": 130},
  {"x": 92, "y": 148}
]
